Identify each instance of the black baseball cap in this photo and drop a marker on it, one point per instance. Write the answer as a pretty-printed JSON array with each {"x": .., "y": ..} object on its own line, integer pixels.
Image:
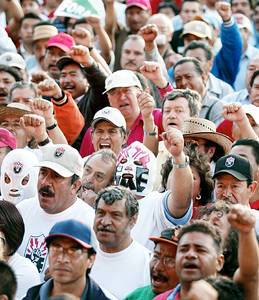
[
  {"x": 168, "y": 235},
  {"x": 235, "y": 165}
]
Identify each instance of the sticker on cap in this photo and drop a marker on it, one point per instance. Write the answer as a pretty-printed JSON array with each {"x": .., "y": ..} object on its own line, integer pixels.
[
  {"x": 229, "y": 162},
  {"x": 59, "y": 152}
]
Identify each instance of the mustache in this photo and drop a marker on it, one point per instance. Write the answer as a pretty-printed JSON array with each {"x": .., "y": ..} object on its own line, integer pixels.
[
  {"x": 105, "y": 228},
  {"x": 47, "y": 191},
  {"x": 3, "y": 92},
  {"x": 87, "y": 186},
  {"x": 160, "y": 277},
  {"x": 130, "y": 62}
]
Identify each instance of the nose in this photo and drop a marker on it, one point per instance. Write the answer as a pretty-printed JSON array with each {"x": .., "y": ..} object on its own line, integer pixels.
[
  {"x": 106, "y": 220},
  {"x": 191, "y": 254},
  {"x": 2, "y": 84},
  {"x": 227, "y": 191}
]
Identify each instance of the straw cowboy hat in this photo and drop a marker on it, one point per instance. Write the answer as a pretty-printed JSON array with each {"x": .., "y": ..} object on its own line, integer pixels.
[
  {"x": 14, "y": 110},
  {"x": 205, "y": 129}
]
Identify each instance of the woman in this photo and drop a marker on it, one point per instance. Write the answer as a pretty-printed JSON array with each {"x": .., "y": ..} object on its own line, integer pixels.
[{"x": 11, "y": 232}]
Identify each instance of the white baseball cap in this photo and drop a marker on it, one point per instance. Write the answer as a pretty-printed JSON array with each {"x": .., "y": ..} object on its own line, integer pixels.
[
  {"x": 121, "y": 78},
  {"x": 11, "y": 59},
  {"x": 63, "y": 159},
  {"x": 110, "y": 114},
  {"x": 253, "y": 111}
]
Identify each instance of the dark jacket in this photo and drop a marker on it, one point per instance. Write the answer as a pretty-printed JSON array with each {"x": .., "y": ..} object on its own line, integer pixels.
[{"x": 92, "y": 292}]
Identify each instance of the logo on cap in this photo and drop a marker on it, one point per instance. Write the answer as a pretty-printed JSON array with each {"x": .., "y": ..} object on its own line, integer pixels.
[
  {"x": 17, "y": 167},
  {"x": 229, "y": 162},
  {"x": 59, "y": 152},
  {"x": 106, "y": 111},
  {"x": 8, "y": 58}
]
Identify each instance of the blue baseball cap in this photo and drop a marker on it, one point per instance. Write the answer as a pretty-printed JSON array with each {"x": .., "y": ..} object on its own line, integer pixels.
[{"x": 72, "y": 229}]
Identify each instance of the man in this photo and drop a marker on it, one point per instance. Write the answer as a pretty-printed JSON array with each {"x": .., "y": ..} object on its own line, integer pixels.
[
  {"x": 254, "y": 85},
  {"x": 7, "y": 143},
  {"x": 162, "y": 267},
  {"x": 8, "y": 76},
  {"x": 8, "y": 283},
  {"x": 61, "y": 170},
  {"x": 242, "y": 7},
  {"x": 23, "y": 92},
  {"x": 116, "y": 214},
  {"x": 71, "y": 256},
  {"x": 99, "y": 170},
  {"x": 203, "y": 53},
  {"x": 15, "y": 61}
]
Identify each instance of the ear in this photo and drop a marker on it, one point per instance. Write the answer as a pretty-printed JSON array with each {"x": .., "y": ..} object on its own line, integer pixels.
[
  {"x": 91, "y": 260},
  {"x": 211, "y": 151},
  {"x": 220, "y": 262},
  {"x": 76, "y": 185},
  {"x": 3, "y": 297},
  {"x": 253, "y": 186},
  {"x": 133, "y": 220}
]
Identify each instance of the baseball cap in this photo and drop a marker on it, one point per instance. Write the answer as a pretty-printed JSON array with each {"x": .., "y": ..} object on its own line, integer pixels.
[
  {"x": 243, "y": 22},
  {"x": 7, "y": 139},
  {"x": 235, "y": 165},
  {"x": 168, "y": 235},
  {"x": 144, "y": 4},
  {"x": 253, "y": 111},
  {"x": 72, "y": 229},
  {"x": 13, "y": 60},
  {"x": 121, "y": 78},
  {"x": 62, "y": 40},
  {"x": 110, "y": 114},
  {"x": 63, "y": 159},
  {"x": 41, "y": 32},
  {"x": 197, "y": 28}
]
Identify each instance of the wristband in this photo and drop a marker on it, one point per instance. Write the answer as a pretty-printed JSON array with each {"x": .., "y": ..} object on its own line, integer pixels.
[
  {"x": 51, "y": 126},
  {"x": 44, "y": 142},
  {"x": 182, "y": 165},
  {"x": 151, "y": 133}
]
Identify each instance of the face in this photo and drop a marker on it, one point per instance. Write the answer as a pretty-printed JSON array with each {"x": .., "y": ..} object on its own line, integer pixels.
[
  {"x": 187, "y": 77},
  {"x": 23, "y": 95},
  {"x": 228, "y": 188},
  {"x": 196, "y": 257},
  {"x": 202, "y": 146},
  {"x": 132, "y": 55},
  {"x": 175, "y": 112},
  {"x": 164, "y": 29},
  {"x": 256, "y": 17},
  {"x": 190, "y": 10},
  {"x": 53, "y": 54},
  {"x": 252, "y": 67},
  {"x": 136, "y": 169},
  {"x": 39, "y": 49},
  {"x": 111, "y": 225},
  {"x": 55, "y": 192},
  {"x": 30, "y": 6},
  {"x": 254, "y": 93},
  {"x": 242, "y": 7},
  {"x": 168, "y": 12},
  {"x": 196, "y": 189},
  {"x": 68, "y": 261},
  {"x": 162, "y": 268},
  {"x": 13, "y": 125},
  {"x": 107, "y": 135},
  {"x": 73, "y": 80},
  {"x": 27, "y": 29},
  {"x": 136, "y": 17},
  {"x": 125, "y": 99},
  {"x": 6, "y": 81},
  {"x": 200, "y": 55}
]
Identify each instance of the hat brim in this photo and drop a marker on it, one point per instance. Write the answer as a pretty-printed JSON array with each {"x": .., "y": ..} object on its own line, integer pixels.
[
  {"x": 56, "y": 167},
  {"x": 6, "y": 111},
  {"x": 60, "y": 46},
  {"x": 51, "y": 237},
  {"x": 236, "y": 174},
  {"x": 218, "y": 138},
  {"x": 138, "y": 5},
  {"x": 198, "y": 34},
  {"x": 120, "y": 86},
  {"x": 66, "y": 60},
  {"x": 95, "y": 121},
  {"x": 162, "y": 240}
]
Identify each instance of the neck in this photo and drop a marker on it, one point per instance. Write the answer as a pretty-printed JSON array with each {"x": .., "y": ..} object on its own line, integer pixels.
[
  {"x": 28, "y": 47},
  {"x": 75, "y": 288},
  {"x": 255, "y": 195},
  {"x": 185, "y": 287},
  {"x": 130, "y": 121},
  {"x": 118, "y": 247}
]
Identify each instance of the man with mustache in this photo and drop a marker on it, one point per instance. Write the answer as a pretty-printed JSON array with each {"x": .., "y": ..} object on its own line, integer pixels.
[
  {"x": 61, "y": 170},
  {"x": 162, "y": 267},
  {"x": 119, "y": 256}
]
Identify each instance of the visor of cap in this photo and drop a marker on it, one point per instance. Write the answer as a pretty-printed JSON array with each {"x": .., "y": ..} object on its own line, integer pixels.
[
  {"x": 52, "y": 236},
  {"x": 234, "y": 173},
  {"x": 164, "y": 240}
]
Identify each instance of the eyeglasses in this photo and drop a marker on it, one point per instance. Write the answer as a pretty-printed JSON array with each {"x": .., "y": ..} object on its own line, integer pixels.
[
  {"x": 166, "y": 261},
  {"x": 3, "y": 240},
  {"x": 71, "y": 252}
]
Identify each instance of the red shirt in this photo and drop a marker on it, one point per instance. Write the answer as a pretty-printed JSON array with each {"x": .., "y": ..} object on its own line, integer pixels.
[{"x": 136, "y": 133}]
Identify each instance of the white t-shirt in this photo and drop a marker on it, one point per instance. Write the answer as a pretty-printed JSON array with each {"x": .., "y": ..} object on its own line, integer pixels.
[
  {"x": 154, "y": 217},
  {"x": 26, "y": 274},
  {"x": 124, "y": 271},
  {"x": 38, "y": 224}
]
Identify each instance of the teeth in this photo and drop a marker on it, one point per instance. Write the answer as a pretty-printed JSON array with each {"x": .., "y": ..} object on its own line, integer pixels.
[{"x": 105, "y": 146}]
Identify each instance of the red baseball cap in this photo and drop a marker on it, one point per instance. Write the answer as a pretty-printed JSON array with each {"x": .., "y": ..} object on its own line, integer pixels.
[
  {"x": 144, "y": 4},
  {"x": 7, "y": 139},
  {"x": 62, "y": 40}
]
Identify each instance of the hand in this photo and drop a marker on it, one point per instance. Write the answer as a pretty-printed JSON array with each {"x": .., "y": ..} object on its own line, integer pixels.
[
  {"x": 152, "y": 71},
  {"x": 234, "y": 112},
  {"x": 146, "y": 104},
  {"x": 174, "y": 142},
  {"x": 39, "y": 77},
  {"x": 94, "y": 21},
  {"x": 201, "y": 287},
  {"x": 224, "y": 10},
  {"x": 81, "y": 55},
  {"x": 34, "y": 126},
  {"x": 241, "y": 217},
  {"x": 49, "y": 88},
  {"x": 45, "y": 109},
  {"x": 82, "y": 36},
  {"x": 149, "y": 32}
]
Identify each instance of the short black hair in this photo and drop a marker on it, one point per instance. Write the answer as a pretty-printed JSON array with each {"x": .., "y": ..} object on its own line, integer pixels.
[
  {"x": 8, "y": 282},
  {"x": 12, "y": 225},
  {"x": 12, "y": 71},
  {"x": 112, "y": 194},
  {"x": 254, "y": 144},
  {"x": 199, "y": 45},
  {"x": 203, "y": 227},
  {"x": 255, "y": 74},
  {"x": 193, "y": 60},
  {"x": 31, "y": 15},
  {"x": 165, "y": 4}
]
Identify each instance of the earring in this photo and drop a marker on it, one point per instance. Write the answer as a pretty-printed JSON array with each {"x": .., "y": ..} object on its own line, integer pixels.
[{"x": 198, "y": 197}]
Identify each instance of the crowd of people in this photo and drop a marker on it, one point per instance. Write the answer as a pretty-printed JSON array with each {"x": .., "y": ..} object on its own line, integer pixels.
[{"x": 129, "y": 151}]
